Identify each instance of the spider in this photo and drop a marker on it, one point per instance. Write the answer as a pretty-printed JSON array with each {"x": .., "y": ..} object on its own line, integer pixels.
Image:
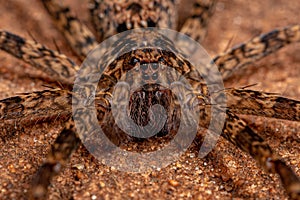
[{"x": 78, "y": 175}]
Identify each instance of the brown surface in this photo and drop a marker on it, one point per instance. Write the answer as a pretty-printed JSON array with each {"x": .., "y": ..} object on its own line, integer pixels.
[{"x": 225, "y": 173}]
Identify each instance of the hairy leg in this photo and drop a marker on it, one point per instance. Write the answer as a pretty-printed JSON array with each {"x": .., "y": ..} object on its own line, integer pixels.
[
  {"x": 195, "y": 26},
  {"x": 54, "y": 64},
  {"x": 77, "y": 34},
  {"x": 236, "y": 131},
  {"x": 36, "y": 104},
  {"x": 65, "y": 144},
  {"x": 255, "y": 49},
  {"x": 252, "y": 102}
]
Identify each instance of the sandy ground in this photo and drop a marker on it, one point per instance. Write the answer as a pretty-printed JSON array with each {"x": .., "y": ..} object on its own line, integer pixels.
[{"x": 225, "y": 173}]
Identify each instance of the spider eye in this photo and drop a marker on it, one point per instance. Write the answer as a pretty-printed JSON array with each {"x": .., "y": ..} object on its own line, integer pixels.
[
  {"x": 134, "y": 60},
  {"x": 161, "y": 59},
  {"x": 144, "y": 67},
  {"x": 155, "y": 76},
  {"x": 154, "y": 66},
  {"x": 145, "y": 76}
]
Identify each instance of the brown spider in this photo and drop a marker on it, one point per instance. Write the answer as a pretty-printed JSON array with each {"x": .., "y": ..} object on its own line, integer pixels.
[{"x": 81, "y": 174}]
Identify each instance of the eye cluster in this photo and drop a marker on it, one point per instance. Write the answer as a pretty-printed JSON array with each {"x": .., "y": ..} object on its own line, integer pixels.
[{"x": 149, "y": 69}]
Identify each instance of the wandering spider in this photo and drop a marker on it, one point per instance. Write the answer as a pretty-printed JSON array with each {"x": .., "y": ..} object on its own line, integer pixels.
[{"x": 77, "y": 175}]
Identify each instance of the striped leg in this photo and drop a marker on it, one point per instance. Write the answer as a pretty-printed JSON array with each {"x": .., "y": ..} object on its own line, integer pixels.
[
  {"x": 36, "y": 104},
  {"x": 251, "y": 102},
  {"x": 195, "y": 26},
  {"x": 255, "y": 49},
  {"x": 65, "y": 144},
  {"x": 55, "y": 65},
  {"x": 78, "y": 35},
  {"x": 236, "y": 131}
]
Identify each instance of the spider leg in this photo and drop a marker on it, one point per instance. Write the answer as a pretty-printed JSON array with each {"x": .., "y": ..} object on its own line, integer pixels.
[
  {"x": 65, "y": 144},
  {"x": 195, "y": 26},
  {"x": 34, "y": 107},
  {"x": 252, "y": 102},
  {"x": 47, "y": 103},
  {"x": 77, "y": 34},
  {"x": 42, "y": 104},
  {"x": 36, "y": 104},
  {"x": 255, "y": 49},
  {"x": 56, "y": 65},
  {"x": 236, "y": 131}
]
